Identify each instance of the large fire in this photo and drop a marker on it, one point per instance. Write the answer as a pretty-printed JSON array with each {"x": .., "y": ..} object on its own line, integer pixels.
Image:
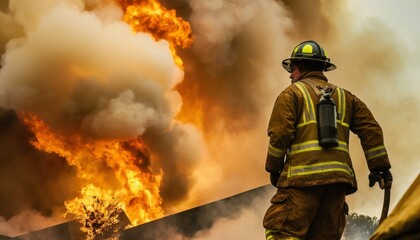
[
  {"x": 117, "y": 175},
  {"x": 150, "y": 16},
  {"x": 137, "y": 189}
]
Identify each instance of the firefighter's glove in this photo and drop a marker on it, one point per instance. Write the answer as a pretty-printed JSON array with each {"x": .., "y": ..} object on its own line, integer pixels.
[
  {"x": 382, "y": 176},
  {"x": 274, "y": 178}
]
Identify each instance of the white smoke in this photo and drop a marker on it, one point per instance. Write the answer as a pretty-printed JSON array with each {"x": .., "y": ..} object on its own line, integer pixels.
[
  {"x": 71, "y": 63},
  {"x": 26, "y": 221}
]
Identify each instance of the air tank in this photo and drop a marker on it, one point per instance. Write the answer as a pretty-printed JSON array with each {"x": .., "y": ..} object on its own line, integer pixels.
[{"x": 327, "y": 121}]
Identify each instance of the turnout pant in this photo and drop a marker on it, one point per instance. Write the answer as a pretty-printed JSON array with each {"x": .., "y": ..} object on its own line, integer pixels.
[{"x": 307, "y": 213}]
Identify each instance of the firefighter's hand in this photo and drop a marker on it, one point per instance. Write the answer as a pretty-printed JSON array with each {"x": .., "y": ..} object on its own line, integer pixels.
[
  {"x": 274, "y": 178},
  {"x": 382, "y": 176}
]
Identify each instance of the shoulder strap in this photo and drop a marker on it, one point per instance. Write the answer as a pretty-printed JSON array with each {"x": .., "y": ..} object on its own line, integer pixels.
[{"x": 317, "y": 88}]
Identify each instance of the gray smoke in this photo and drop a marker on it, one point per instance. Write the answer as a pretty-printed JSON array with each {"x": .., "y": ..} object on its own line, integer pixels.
[
  {"x": 87, "y": 72},
  {"x": 234, "y": 66}
]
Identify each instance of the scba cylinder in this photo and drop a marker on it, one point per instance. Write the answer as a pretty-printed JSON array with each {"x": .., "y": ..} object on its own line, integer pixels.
[{"x": 327, "y": 122}]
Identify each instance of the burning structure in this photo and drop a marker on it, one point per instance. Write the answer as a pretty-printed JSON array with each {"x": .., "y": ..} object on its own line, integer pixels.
[
  {"x": 187, "y": 223},
  {"x": 151, "y": 110}
]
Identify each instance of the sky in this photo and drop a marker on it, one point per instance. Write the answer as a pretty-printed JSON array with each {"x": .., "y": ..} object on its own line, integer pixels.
[{"x": 231, "y": 78}]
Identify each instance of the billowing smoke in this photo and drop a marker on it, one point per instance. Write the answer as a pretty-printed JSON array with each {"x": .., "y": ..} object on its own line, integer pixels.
[
  {"x": 231, "y": 80},
  {"x": 73, "y": 70},
  {"x": 86, "y": 70},
  {"x": 226, "y": 70}
]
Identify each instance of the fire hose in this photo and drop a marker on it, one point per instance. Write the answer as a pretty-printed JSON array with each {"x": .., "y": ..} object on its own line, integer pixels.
[{"x": 387, "y": 197}]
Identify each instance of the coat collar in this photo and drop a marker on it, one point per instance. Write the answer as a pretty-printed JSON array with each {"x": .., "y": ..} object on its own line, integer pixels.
[{"x": 314, "y": 74}]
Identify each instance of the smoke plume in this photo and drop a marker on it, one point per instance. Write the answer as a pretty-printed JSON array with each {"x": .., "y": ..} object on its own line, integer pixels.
[{"x": 87, "y": 72}]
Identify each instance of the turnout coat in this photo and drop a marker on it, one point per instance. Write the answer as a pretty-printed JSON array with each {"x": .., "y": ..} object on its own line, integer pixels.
[{"x": 294, "y": 148}]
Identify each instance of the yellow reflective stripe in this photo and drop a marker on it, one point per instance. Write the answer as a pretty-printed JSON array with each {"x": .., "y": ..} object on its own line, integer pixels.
[
  {"x": 308, "y": 101},
  {"x": 341, "y": 107},
  {"x": 375, "y": 152},
  {"x": 276, "y": 152},
  {"x": 283, "y": 174},
  {"x": 341, "y": 104},
  {"x": 309, "y": 114},
  {"x": 306, "y": 104},
  {"x": 313, "y": 145},
  {"x": 317, "y": 168},
  {"x": 306, "y": 146},
  {"x": 343, "y": 123},
  {"x": 271, "y": 235},
  {"x": 305, "y": 123},
  {"x": 295, "y": 50}
]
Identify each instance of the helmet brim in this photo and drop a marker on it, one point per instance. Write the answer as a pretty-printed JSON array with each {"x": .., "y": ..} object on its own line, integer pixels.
[{"x": 287, "y": 63}]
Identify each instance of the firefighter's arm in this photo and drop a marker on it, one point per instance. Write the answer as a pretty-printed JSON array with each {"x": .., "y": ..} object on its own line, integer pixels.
[
  {"x": 371, "y": 136},
  {"x": 281, "y": 130}
]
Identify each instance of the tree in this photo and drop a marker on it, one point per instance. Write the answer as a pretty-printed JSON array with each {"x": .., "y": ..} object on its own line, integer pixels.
[{"x": 359, "y": 227}]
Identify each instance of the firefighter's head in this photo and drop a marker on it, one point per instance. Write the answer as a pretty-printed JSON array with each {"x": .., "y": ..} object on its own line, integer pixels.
[{"x": 308, "y": 55}]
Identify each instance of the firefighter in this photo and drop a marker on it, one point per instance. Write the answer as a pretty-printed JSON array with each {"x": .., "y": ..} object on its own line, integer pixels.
[{"x": 308, "y": 155}]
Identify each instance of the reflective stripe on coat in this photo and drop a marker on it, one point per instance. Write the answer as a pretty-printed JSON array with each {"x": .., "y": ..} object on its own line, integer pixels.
[{"x": 294, "y": 148}]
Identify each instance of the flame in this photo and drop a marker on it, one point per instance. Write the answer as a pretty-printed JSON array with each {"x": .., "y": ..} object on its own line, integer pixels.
[
  {"x": 137, "y": 188},
  {"x": 100, "y": 213},
  {"x": 149, "y": 16},
  {"x": 116, "y": 175}
]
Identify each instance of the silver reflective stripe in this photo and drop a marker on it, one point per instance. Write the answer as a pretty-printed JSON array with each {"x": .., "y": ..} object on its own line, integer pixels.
[
  {"x": 313, "y": 145},
  {"x": 309, "y": 115},
  {"x": 276, "y": 152},
  {"x": 375, "y": 152},
  {"x": 306, "y": 146},
  {"x": 318, "y": 168}
]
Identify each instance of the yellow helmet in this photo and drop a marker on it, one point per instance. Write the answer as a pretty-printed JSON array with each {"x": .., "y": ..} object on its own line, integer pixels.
[{"x": 308, "y": 50}]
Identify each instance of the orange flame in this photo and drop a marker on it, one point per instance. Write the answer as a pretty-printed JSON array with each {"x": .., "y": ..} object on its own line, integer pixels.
[
  {"x": 149, "y": 16},
  {"x": 117, "y": 174},
  {"x": 136, "y": 187},
  {"x": 100, "y": 213}
]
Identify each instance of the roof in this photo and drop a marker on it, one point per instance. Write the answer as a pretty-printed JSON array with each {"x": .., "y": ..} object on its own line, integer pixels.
[{"x": 186, "y": 223}]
